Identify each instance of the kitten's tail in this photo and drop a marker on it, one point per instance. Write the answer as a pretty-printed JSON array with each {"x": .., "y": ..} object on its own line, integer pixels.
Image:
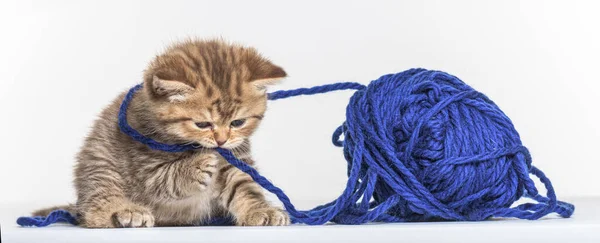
[{"x": 45, "y": 211}]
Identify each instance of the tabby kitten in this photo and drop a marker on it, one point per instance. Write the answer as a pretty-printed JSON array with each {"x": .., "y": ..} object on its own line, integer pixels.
[{"x": 206, "y": 92}]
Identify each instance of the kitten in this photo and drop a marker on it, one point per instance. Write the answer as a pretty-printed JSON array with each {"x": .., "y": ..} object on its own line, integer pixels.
[{"x": 207, "y": 92}]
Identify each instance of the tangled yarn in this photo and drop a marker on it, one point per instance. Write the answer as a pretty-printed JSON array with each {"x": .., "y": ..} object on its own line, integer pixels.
[{"x": 421, "y": 146}]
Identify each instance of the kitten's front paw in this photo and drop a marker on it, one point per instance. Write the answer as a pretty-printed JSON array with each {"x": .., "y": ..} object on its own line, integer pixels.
[
  {"x": 133, "y": 216},
  {"x": 269, "y": 216},
  {"x": 206, "y": 168}
]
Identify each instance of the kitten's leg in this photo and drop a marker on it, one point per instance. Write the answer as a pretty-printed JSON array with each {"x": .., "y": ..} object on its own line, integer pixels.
[
  {"x": 189, "y": 178},
  {"x": 203, "y": 170},
  {"x": 101, "y": 201},
  {"x": 244, "y": 200},
  {"x": 181, "y": 179}
]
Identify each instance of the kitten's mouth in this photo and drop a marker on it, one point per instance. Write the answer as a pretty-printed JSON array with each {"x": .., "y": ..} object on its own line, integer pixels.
[
  {"x": 214, "y": 146},
  {"x": 228, "y": 145}
]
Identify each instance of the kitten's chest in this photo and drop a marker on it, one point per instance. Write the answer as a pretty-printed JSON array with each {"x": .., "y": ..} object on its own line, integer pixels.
[
  {"x": 181, "y": 191},
  {"x": 189, "y": 211}
]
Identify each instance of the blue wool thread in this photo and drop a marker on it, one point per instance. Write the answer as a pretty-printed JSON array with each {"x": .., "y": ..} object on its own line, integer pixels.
[
  {"x": 421, "y": 146},
  {"x": 153, "y": 144},
  {"x": 57, "y": 216}
]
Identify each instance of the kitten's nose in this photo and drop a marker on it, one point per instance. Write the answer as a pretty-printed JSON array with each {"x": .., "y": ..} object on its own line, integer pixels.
[
  {"x": 221, "y": 137},
  {"x": 221, "y": 141}
]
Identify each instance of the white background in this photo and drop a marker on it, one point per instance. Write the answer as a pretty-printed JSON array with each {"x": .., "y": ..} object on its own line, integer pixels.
[{"x": 61, "y": 62}]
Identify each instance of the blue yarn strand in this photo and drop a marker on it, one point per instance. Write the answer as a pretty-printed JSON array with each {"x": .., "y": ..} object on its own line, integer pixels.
[
  {"x": 153, "y": 144},
  {"x": 57, "y": 216},
  {"x": 282, "y": 94},
  {"x": 420, "y": 145}
]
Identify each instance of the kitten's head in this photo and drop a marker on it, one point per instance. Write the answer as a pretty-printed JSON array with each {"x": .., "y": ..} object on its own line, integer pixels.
[{"x": 210, "y": 92}]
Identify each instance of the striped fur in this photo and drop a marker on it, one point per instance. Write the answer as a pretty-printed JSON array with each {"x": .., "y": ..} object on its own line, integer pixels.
[{"x": 122, "y": 183}]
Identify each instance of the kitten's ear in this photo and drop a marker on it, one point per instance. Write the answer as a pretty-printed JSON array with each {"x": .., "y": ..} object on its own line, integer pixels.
[
  {"x": 173, "y": 90},
  {"x": 267, "y": 74}
]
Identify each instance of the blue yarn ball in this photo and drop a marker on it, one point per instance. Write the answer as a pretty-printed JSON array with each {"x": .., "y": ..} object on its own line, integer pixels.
[{"x": 438, "y": 148}]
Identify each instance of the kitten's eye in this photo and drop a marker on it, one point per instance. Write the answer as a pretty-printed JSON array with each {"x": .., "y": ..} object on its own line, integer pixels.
[
  {"x": 238, "y": 123},
  {"x": 203, "y": 124}
]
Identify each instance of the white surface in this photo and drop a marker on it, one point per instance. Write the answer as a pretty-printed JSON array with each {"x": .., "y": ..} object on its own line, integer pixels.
[
  {"x": 62, "y": 61},
  {"x": 584, "y": 227}
]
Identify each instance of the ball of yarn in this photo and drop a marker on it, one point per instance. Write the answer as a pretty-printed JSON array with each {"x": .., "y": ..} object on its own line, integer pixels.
[
  {"x": 421, "y": 146},
  {"x": 434, "y": 148}
]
